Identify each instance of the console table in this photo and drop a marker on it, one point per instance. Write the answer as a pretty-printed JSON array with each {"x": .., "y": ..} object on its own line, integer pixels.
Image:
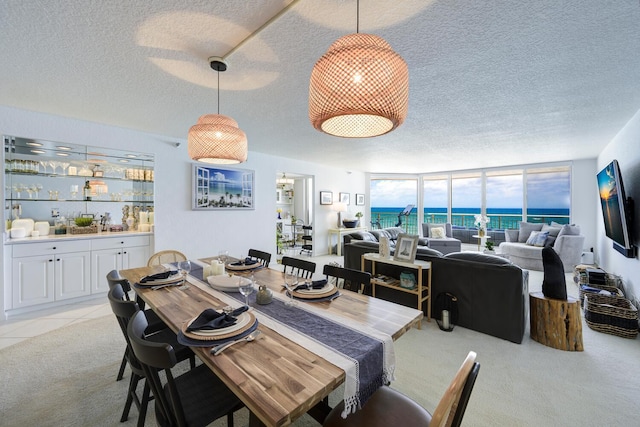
[
  {"x": 340, "y": 232},
  {"x": 422, "y": 291}
]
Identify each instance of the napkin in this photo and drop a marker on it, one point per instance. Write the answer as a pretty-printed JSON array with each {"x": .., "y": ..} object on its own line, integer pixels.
[
  {"x": 211, "y": 319},
  {"x": 316, "y": 284},
  {"x": 158, "y": 276},
  {"x": 247, "y": 261}
]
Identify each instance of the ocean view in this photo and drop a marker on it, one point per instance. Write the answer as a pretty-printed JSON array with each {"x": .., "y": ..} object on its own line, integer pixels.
[{"x": 500, "y": 218}]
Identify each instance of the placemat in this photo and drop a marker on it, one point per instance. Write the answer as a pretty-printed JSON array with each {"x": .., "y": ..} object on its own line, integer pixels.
[
  {"x": 216, "y": 338},
  {"x": 189, "y": 342}
]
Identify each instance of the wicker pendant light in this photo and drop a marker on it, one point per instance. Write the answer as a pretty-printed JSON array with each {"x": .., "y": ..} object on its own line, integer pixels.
[
  {"x": 359, "y": 88},
  {"x": 216, "y": 138}
]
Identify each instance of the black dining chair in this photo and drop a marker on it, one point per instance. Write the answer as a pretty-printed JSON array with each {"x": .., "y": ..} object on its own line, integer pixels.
[
  {"x": 307, "y": 240},
  {"x": 195, "y": 398},
  {"x": 124, "y": 310},
  {"x": 352, "y": 280},
  {"x": 263, "y": 257},
  {"x": 155, "y": 323},
  {"x": 302, "y": 268},
  {"x": 388, "y": 407}
]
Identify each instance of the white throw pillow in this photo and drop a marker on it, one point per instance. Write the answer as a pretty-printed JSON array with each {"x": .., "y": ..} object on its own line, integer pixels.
[
  {"x": 437, "y": 233},
  {"x": 532, "y": 238}
]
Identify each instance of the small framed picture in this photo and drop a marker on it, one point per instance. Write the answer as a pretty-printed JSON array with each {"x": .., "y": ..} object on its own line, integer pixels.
[
  {"x": 359, "y": 199},
  {"x": 406, "y": 247},
  {"x": 345, "y": 198},
  {"x": 326, "y": 198}
]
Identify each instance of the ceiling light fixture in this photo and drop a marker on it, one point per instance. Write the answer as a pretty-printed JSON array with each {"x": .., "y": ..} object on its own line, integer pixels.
[
  {"x": 216, "y": 138},
  {"x": 284, "y": 180},
  {"x": 359, "y": 88}
]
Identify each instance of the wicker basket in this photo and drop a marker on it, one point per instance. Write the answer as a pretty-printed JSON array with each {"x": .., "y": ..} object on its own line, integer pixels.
[
  {"x": 82, "y": 230},
  {"x": 614, "y": 290},
  {"x": 611, "y": 314}
]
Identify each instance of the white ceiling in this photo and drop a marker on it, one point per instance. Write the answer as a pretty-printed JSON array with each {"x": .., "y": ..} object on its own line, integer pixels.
[{"x": 491, "y": 82}]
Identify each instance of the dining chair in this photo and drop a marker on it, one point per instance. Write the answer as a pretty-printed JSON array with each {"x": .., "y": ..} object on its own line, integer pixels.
[
  {"x": 307, "y": 240},
  {"x": 263, "y": 257},
  {"x": 166, "y": 257},
  {"x": 195, "y": 398},
  {"x": 155, "y": 323},
  {"x": 124, "y": 310},
  {"x": 352, "y": 280},
  {"x": 388, "y": 407},
  {"x": 300, "y": 267}
]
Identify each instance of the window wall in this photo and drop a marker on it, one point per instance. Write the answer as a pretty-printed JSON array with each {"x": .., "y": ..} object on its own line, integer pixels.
[{"x": 507, "y": 196}]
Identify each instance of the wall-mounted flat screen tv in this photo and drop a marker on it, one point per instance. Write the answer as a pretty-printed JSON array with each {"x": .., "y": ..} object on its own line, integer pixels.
[{"x": 615, "y": 208}]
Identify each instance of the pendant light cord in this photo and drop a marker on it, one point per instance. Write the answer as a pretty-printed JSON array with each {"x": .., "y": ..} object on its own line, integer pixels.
[
  {"x": 218, "y": 92},
  {"x": 357, "y": 16}
]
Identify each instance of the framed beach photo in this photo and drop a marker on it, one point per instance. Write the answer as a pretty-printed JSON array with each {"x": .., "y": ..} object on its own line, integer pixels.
[
  {"x": 359, "y": 199},
  {"x": 345, "y": 198},
  {"x": 326, "y": 198},
  {"x": 406, "y": 247},
  {"x": 216, "y": 188}
]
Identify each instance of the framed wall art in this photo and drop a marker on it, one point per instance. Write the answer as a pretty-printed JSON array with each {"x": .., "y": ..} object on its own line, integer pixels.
[
  {"x": 217, "y": 188},
  {"x": 359, "y": 199},
  {"x": 406, "y": 247},
  {"x": 345, "y": 198},
  {"x": 326, "y": 198}
]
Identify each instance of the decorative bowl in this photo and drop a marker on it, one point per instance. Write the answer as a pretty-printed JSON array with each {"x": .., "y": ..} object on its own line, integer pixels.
[{"x": 350, "y": 223}]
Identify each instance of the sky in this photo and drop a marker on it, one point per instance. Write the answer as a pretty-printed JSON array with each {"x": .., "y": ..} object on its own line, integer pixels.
[{"x": 548, "y": 190}]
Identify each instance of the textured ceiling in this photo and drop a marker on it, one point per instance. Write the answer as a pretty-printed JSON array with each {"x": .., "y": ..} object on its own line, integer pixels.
[{"x": 491, "y": 82}]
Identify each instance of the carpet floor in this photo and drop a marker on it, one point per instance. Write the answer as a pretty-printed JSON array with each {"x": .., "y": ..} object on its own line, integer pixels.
[{"x": 67, "y": 378}]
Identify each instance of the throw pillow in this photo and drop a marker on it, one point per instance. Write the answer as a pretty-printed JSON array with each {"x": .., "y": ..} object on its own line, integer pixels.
[
  {"x": 569, "y": 230},
  {"x": 541, "y": 239},
  {"x": 525, "y": 230},
  {"x": 532, "y": 238},
  {"x": 437, "y": 233},
  {"x": 553, "y": 282},
  {"x": 553, "y": 231}
]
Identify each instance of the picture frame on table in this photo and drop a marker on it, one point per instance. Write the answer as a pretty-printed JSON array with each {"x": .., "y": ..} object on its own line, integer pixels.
[
  {"x": 406, "y": 247},
  {"x": 222, "y": 188},
  {"x": 359, "y": 199},
  {"x": 326, "y": 198},
  {"x": 345, "y": 198}
]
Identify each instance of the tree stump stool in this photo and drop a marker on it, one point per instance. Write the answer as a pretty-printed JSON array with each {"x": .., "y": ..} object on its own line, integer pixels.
[{"x": 555, "y": 323}]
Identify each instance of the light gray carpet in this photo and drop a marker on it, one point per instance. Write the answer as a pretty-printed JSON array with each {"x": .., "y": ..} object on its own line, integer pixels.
[{"x": 67, "y": 378}]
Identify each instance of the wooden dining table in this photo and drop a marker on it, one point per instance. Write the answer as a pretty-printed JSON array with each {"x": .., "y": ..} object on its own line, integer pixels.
[{"x": 278, "y": 379}]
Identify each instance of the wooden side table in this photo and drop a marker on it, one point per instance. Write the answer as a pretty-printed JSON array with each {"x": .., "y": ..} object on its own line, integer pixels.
[
  {"x": 555, "y": 323},
  {"x": 422, "y": 291},
  {"x": 340, "y": 232}
]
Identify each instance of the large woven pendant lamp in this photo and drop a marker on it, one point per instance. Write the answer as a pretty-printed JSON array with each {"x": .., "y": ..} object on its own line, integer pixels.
[
  {"x": 217, "y": 138},
  {"x": 359, "y": 88}
]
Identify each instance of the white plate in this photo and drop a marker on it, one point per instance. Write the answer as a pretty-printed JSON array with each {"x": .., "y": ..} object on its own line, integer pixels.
[
  {"x": 226, "y": 283},
  {"x": 242, "y": 321},
  {"x": 326, "y": 288}
]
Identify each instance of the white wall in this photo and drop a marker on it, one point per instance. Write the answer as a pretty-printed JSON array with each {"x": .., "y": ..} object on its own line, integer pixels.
[
  {"x": 584, "y": 200},
  {"x": 197, "y": 233},
  {"x": 626, "y": 149}
]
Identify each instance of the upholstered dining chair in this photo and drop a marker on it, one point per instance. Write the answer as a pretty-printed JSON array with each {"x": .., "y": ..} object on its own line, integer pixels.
[
  {"x": 388, "y": 407},
  {"x": 300, "y": 267},
  {"x": 263, "y": 257},
  {"x": 195, "y": 398},
  {"x": 155, "y": 323},
  {"x": 124, "y": 310},
  {"x": 353, "y": 280},
  {"x": 166, "y": 257}
]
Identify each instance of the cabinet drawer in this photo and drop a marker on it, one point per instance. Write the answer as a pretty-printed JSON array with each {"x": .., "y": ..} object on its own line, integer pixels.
[
  {"x": 49, "y": 247},
  {"x": 119, "y": 242}
]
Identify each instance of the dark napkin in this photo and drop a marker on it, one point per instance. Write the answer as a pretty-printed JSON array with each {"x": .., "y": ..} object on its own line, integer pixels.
[
  {"x": 247, "y": 261},
  {"x": 158, "y": 276},
  {"x": 316, "y": 284},
  {"x": 211, "y": 319}
]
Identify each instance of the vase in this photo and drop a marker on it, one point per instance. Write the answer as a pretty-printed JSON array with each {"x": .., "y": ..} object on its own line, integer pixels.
[{"x": 481, "y": 232}]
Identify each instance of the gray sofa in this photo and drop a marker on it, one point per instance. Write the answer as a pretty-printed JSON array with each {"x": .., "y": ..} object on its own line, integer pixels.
[
  {"x": 446, "y": 244},
  {"x": 492, "y": 292},
  {"x": 565, "y": 239}
]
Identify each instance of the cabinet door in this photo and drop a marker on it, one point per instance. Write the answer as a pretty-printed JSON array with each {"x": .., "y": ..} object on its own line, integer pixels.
[
  {"x": 33, "y": 280},
  {"x": 102, "y": 262},
  {"x": 136, "y": 256},
  {"x": 72, "y": 278}
]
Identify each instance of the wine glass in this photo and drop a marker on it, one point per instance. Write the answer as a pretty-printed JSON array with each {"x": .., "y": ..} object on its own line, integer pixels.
[
  {"x": 223, "y": 256},
  {"x": 246, "y": 288},
  {"x": 290, "y": 282},
  {"x": 184, "y": 268}
]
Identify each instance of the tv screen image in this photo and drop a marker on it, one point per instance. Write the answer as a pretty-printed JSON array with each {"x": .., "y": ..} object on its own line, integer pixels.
[{"x": 614, "y": 208}]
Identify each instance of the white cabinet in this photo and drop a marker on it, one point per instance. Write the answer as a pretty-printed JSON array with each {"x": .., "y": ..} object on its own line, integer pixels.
[
  {"x": 116, "y": 253},
  {"x": 48, "y": 272}
]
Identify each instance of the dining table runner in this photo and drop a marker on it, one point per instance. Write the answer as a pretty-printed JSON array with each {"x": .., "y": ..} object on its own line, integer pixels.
[{"x": 365, "y": 354}]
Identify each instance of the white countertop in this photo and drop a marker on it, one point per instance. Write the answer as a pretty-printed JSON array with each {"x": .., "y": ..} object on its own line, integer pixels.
[{"x": 99, "y": 235}]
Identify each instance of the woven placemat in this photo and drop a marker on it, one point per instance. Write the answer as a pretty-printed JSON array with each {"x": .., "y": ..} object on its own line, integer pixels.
[
  {"x": 191, "y": 335},
  {"x": 331, "y": 289}
]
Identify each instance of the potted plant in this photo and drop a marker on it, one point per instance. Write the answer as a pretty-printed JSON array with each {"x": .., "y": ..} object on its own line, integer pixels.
[{"x": 489, "y": 247}]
